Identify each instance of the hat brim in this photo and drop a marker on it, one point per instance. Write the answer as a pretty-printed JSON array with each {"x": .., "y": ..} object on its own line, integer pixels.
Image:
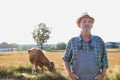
[{"x": 79, "y": 19}]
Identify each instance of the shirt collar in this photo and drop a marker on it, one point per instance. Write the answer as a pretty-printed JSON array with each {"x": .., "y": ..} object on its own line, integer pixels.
[{"x": 81, "y": 38}]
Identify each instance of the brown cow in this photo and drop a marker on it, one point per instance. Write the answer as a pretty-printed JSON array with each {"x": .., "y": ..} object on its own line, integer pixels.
[{"x": 37, "y": 58}]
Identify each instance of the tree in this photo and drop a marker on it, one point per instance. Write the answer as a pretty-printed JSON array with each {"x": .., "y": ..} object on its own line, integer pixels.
[
  {"x": 4, "y": 45},
  {"x": 13, "y": 45},
  {"x": 41, "y": 34},
  {"x": 61, "y": 46}
]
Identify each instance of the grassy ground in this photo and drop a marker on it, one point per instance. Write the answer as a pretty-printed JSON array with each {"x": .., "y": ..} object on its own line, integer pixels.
[{"x": 15, "y": 62}]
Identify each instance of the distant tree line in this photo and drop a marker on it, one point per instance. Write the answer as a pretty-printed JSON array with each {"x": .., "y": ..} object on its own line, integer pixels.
[
  {"x": 48, "y": 47},
  {"x": 6, "y": 45}
]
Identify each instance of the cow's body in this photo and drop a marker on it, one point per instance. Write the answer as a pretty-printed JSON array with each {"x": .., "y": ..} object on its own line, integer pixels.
[{"x": 37, "y": 58}]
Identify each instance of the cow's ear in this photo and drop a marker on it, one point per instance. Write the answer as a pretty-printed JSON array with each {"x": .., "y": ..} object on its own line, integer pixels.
[{"x": 29, "y": 51}]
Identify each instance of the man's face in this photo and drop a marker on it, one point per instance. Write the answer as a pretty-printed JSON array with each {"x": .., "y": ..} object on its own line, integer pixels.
[{"x": 86, "y": 24}]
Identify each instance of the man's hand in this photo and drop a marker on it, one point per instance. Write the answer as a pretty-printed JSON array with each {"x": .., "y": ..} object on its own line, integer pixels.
[
  {"x": 99, "y": 77},
  {"x": 73, "y": 76}
]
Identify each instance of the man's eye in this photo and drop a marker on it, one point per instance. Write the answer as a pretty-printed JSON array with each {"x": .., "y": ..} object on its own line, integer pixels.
[{"x": 84, "y": 21}]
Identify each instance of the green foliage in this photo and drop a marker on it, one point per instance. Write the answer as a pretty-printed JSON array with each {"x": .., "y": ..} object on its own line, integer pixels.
[
  {"x": 60, "y": 46},
  {"x": 52, "y": 76},
  {"x": 107, "y": 78},
  {"x": 117, "y": 76},
  {"x": 22, "y": 69},
  {"x": 49, "y": 49},
  {"x": 24, "y": 73},
  {"x": 41, "y": 34},
  {"x": 114, "y": 74},
  {"x": 6, "y": 73}
]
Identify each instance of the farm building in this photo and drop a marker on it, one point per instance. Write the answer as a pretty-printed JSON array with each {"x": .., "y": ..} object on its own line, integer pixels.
[
  {"x": 112, "y": 44},
  {"x": 7, "y": 49}
]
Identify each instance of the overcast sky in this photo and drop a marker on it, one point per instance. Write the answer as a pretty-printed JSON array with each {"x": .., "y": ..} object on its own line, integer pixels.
[{"x": 18, "y": 19}]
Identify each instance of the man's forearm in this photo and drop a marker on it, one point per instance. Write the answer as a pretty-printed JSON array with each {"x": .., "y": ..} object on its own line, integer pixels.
[{"x": 67, "y": 67}]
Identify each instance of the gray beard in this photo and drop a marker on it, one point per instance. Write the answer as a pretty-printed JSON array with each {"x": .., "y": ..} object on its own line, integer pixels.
[{"x": 85, "y": 30}]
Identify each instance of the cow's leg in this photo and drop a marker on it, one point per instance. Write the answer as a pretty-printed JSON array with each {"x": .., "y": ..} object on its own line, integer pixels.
[
  {"x": 32, "y": 68},
  {"x": 42, "y": 69},
  {"x": 36, "y": 69}
]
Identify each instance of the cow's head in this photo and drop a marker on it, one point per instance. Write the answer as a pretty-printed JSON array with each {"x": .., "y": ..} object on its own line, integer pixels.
[
  {"x": 52, "y": 67},
  {"x": 29, "y": 51}
]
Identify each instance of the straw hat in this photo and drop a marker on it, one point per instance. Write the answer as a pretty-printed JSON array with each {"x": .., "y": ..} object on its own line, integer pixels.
[{"x": 85, "y": 14}]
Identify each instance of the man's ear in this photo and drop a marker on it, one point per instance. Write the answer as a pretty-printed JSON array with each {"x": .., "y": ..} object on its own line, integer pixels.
[
  {"x": 92, "y": 26},
  {"x": 79, "y": 25}
]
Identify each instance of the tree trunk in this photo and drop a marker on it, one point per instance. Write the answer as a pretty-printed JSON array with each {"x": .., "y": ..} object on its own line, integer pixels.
[{"x": 41, "y": 46}]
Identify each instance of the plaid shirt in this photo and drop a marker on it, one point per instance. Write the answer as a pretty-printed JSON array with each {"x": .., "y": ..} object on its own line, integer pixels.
[{"x": 95, "y": 44}]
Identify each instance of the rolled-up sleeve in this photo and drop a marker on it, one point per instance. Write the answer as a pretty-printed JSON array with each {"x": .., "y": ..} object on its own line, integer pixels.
[
  {"x": 104, "y": 60},
  {"x": 68, "y": 52}
]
